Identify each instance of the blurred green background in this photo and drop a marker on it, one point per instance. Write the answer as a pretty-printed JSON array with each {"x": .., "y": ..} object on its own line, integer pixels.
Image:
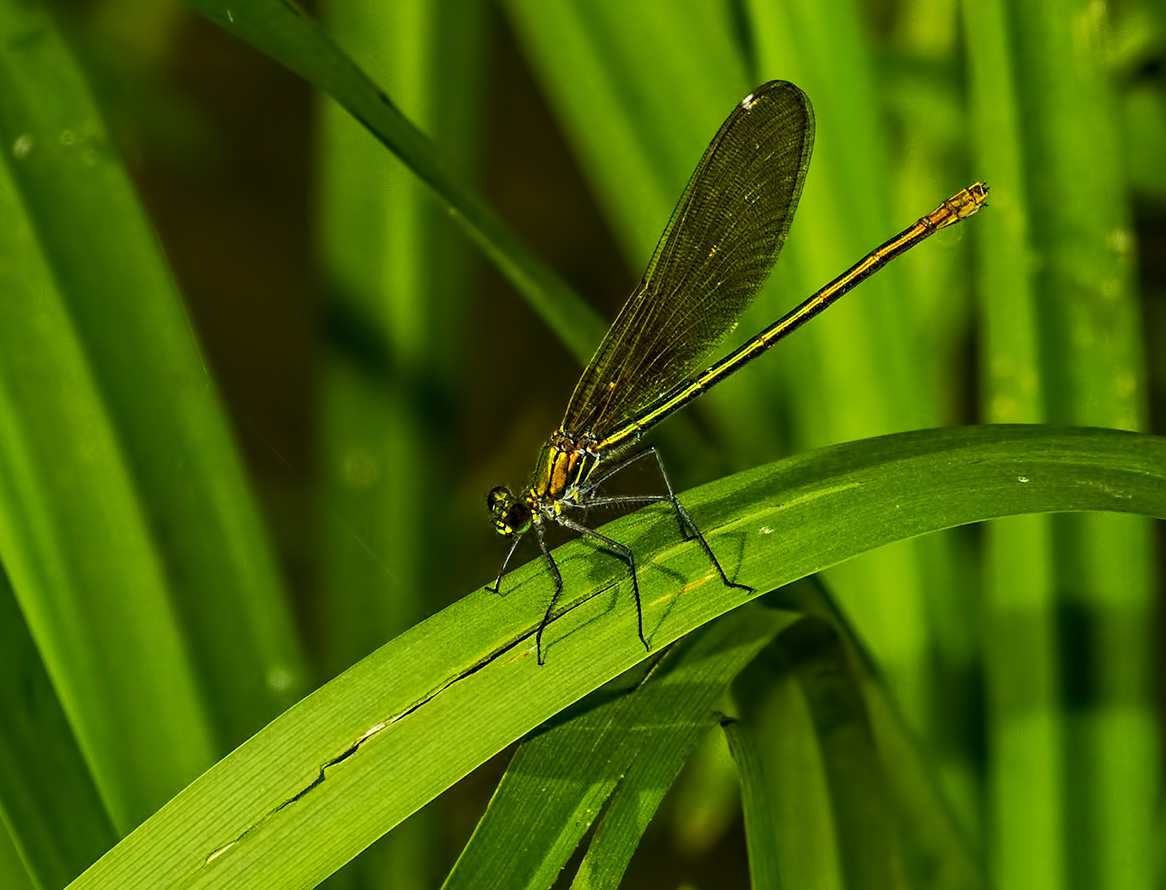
[{"x": 379, "y": 374}]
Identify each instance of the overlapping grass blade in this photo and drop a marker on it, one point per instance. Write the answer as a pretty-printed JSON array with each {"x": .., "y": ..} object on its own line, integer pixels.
[
  {"x": 625, "y": 744},
  {"x": 395, "y": 272},
  {"x": 128, "y": 495},
  {"x": 50, "y": 805},
  {"x": 356, "y": 757}
]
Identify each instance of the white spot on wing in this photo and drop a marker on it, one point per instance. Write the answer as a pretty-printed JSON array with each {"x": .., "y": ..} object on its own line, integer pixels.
[{"x": 748, "y": 102}]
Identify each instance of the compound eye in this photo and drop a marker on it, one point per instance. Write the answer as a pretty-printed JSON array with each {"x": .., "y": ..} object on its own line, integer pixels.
[
  {"x": 499, "y": 499},
  {"x": 511, "y": 516}
]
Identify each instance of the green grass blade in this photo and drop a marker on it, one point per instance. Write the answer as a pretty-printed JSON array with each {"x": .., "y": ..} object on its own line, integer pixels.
[
  {"x": 392, "y": 282},
  {"x": 75, "y": 544},
  {"x": 846, "y": 360},
  {"x": 760, "y": 799},
  {"x": 937, "y": 851},
  {"x": 12, "y": 870},
  {"x": 862, "y": 371},
  {"x": 117, "y": 404},
  {"x": 1105, "y": 732},
  {"x": 705, "y": 804},
  {"x": 1026, "y": 760},
  {"x": 553, "y": 789},
  {"x": 867, "y": 841},
  {"x": 395, "y": 272},
  {"x": 860, "y": 803},
  {"x": 789, "y": 822},
  {"x": 666, "y": 729},
  {"x": 832, "y": 782},
  {"x": 285, "y": 33},
  {"x": 630, "y": 741},
  {"x": 923, "y": 92},
  {"x": 613, "y": 72},
  {"x": 355, "y": 758},
  {"x": 48, "y": 801}
]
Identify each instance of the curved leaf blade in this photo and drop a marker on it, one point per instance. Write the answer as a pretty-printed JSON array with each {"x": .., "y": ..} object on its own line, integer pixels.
[{"x": 356, "y": 757}]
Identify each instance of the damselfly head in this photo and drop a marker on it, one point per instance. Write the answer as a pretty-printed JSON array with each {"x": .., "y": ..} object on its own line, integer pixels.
[{"x": 511, "y": 515}]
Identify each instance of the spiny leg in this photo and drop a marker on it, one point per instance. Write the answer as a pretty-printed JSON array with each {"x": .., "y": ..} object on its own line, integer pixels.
[
  {"x": 550, "y": 560},
  {"x": 625, "y": 553},
  {"x": 593, "y": 484},
  {"x": 498, "y": 584},
  {"x": 688, "y": 528},
  {"x": 558, "y": 578},
  {"x": 696, "y": 532}
]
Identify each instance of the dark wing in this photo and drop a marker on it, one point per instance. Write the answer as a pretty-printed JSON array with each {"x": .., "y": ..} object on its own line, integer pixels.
[{"x": 712, "y": 259}]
